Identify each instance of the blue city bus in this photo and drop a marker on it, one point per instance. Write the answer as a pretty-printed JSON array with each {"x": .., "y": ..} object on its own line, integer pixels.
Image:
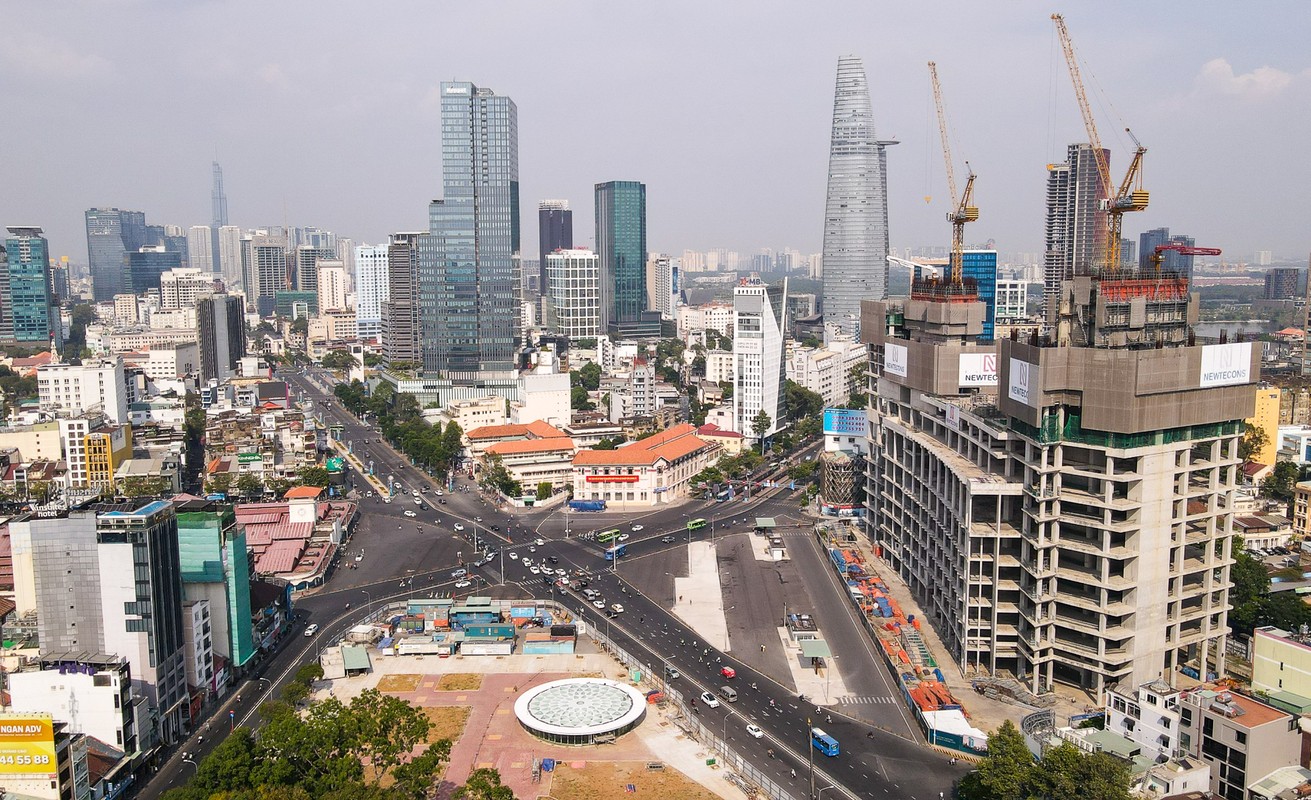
[
  {"x": 823, "y": 742},
  {"x": 618, "y": 551}
]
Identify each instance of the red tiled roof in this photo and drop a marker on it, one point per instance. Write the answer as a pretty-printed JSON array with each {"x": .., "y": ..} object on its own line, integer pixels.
[
  {"x": 1251, "y": 468},
  {"x": 624, "y": 456},
  {"x": 532, "y": 446},
  {"x": 687, "y": 445},
  {"x": 670, "y": 444},
  {"x": 1290, "y": 331},
  {"x": 711, "y": 429},
  {"x": 280, "y": 557},
  {"x": 303, "y": 491},
  {"x": 544, "y": 430},
  {"x": 536, "y": 429}
]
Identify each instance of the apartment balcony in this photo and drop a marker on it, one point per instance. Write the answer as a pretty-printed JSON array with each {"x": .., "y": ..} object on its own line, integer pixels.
[
  {"x": 1034, "y": 615},
  {"x": 1091, "y": 649},
  {"x": 1100, "y": 500},
  {"x": 1082, "y": 601},
  {"x": 1095, "y": 548},
  {"x": 1088, "y": 626},
  {"x": 1031, "y": 591},
  {"x": 1040, "y": 493}
]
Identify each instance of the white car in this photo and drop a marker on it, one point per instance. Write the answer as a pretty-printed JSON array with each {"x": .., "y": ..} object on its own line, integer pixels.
[
  {"x": 532, "y": 548},
  {"x": 599, "y": 603},
  {"x": 562, "y": 572},
  {"x": 360, "y": 557},
  {"x": 312, "y": 629},
  {"x": 636, "y": 528},
  {"x": 439, "y": 492},
  {"x": 409, "y": 513},
  {"x": 535, "y": 570},
  {"x": 459, "y": 527},
  {"x": 418, "y": 502},
  {"x": 463, "y": 584},
  {"x": 710, "y": 700},
  {"x": 539, "y": 542},
  {"x": 755, "y": 731},
  {"x": 623, "y": 537},
  {"x": 514, "y": 555},
  {"x": 477, "y": 519},
  {"x": 618, "y": 609}
]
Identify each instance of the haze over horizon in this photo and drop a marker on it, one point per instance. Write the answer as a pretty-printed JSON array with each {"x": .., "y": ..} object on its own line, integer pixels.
[{"x": 328, "y": 115}]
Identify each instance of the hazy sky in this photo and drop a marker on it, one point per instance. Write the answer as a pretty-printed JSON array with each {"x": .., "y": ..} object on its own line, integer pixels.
[{"x": 326, "y": 113}]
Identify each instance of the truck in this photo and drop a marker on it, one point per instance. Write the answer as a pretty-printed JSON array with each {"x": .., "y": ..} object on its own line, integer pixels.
[{"x": 587, "y": 505}]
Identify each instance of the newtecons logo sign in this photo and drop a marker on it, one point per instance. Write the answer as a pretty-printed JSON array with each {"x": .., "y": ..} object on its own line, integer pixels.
[
  {"x": 896, "y": 359},
  {"x": 978, "y": 369},
  {"x": 1226, "y": 364},
  {"x": 27, "y": 745},
  {"x": 1018, "y": 386}
]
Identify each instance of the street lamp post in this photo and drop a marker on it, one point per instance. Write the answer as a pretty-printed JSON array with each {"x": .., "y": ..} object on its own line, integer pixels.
[
  {"x": 810, "y": 751},
  {"x": 369, "y": 597}
]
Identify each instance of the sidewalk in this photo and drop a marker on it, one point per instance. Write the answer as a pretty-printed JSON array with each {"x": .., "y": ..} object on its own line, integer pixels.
[{"x": 700, "y": 601}]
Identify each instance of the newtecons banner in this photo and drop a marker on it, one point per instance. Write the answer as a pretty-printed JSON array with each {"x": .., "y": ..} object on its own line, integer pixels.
[{"x": 27, "y": 745}]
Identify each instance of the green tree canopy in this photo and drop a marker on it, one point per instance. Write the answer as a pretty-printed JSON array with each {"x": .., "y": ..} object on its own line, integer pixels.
[
  {"x": 801, "y": 403},
  {"x": 313, "y": 476},
  {"x": 340, "y": 359}
]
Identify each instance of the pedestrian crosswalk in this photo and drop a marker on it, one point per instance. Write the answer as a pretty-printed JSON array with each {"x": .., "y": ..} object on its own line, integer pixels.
[{"x": 865, "y": 699}]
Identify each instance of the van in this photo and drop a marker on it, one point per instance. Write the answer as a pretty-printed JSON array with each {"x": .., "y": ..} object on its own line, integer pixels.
[{"x": 728, "y": 693}]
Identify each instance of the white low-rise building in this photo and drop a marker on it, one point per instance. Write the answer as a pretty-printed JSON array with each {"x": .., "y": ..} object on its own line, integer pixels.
[
  {"x": 711, "y": 316},
  {"x": 534, "y": 461}
]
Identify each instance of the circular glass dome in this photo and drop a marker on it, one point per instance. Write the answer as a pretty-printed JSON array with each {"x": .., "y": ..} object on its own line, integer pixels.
[{"x": 578, "y": 710}]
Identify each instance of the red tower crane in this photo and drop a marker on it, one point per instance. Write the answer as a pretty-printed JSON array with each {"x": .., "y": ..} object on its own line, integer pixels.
[{"x": 1181, "y": 249}]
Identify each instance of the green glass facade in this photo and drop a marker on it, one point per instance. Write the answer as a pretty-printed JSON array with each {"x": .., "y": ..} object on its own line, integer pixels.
[
  {"x": 216, "y": 567},
  {"x": 30, "y": 314},
  {"x": 621, "y": 245}
]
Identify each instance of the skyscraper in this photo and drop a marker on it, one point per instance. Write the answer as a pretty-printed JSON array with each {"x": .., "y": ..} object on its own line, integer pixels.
[
  {"x": 1076, "y": 222},
  {"x": 370, "y": 289},
  {"x": 229, "y": 262},
  {"x": 621, "y": 244},
  {"x": 759, "y": 369},
  {"x": 221, "y": 331},
  {"x": 400, "y": 312},
  {"x": 266, "y": 271},
  {"x": 331, "y": 284},
  {"x": 574, "y": 278},
  {"x": 555, "y": 231},
  {"x": 200, "y": 248},
  {"x": 30, "y": 314},
  {"x": 856, "y": 209},
  {"x": 145, "y": 266},
  {"x": 1171, "y": 261},
  {"x": 660, "y": 284},
  {"x": 468, "y": 285},
  {"x": 110, "y": 235}
]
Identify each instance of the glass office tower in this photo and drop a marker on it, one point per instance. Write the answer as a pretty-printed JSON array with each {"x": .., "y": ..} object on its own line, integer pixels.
[
  {"x": 30, "y": 315},
  {"x": 980, "y": 266},
  {"x": 468, "y": 280},
  {"x": 110, "y": 235},
  {"x": 621, "y": 244}
]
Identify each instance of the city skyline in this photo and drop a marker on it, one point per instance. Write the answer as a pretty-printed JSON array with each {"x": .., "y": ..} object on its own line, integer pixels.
[{"x": 1222, "y": 80}]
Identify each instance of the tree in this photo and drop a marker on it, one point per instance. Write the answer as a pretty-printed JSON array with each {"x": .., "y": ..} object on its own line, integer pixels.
[
  {"x": 484, "y": 783},
  {"x": 220, "y": 483},
  {"x": 811, "y": 340},
  {"x": 249, "y": 485},
  {"x": 579, "y": 401},
  {"x": 497, "y": 477},
  {"x": 760, "y": 425},
  {"x": 857, "y": 379},
  {"x": 1004, "y": 772},
  {"x": 415, "y": 779},
  {"x": 388, "y": 729},
  {"x": 278, "y": 486},
  {"x": 144, "y": 486},
  {"x": 607, "y": 444},
  {"x": 300, "y": 325},
  {"x": 340, "y": 359},
  {"x": 801, "y": 403},
  {"x": 313, "y": 476},
  {"x": 372, "y": 359},
  {"x": 544, "y": 490},
  {"x": 1280, "y": 482},
  {"x": 590, "y": 376},
  {"x": 1253, "y": 442}
]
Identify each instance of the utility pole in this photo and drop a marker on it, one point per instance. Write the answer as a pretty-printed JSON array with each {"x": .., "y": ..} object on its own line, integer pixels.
[{"x": 810, "y": 750}]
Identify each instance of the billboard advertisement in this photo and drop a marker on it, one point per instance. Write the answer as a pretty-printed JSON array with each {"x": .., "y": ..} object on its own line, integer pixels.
[
  {"x": 978, "y": 369},
  {"x": 844, "y": 422},
  {"x": 335, "y": 463},
  {"x": 1226, "y": 364},
  {"x": 27, "y": 745},
  {"x": 895, "y": 360},
  {"x": 1019, "y": 388}
]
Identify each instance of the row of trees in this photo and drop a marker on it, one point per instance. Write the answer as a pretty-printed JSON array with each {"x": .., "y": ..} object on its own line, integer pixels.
[
  {"x": 434, "y": 447},
  {"x": 361, "y": 750},
  {"x": 1009, "y": 772},
  {"x": 249, "y": 485}
]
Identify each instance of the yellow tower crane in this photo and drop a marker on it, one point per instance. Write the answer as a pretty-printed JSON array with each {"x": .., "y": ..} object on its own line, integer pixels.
[
  {"x": 1131, "y": 196},
  {"x": 965, "y": 210}
]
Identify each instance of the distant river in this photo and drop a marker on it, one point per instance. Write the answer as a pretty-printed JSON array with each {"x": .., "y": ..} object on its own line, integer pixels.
[{"x": 1211, "y": 330}]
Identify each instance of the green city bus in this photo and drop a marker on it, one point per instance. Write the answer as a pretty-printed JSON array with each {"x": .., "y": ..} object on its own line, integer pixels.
[
  {"x": 696, "y": 524},
  {"x": 607, "y": 536}
]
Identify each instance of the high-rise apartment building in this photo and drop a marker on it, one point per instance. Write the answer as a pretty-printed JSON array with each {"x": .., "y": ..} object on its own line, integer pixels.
[
  {"x": 30, "y": 307},
  {"x": 371, "y": 289},
  {"x": 267, "y": 272},
  {"x": 305, "y": 275},
  {"x": 555, "y": 231},
  {"x": 660, "y": 284},
  {"x": 200, "y": 248},
  {"x": 110, "y": 235},
  {"x": 468, "y": 285},
  {"x": 856, "y": 208},
  {"x": 760, "y": 318},
  {"x": 1283, "y": 283},
  {"x": 221, "y": 332},
  {"x": 574, "y": 278},
  {"x": 621, "y": 244},
  {"x": 400, "y": 309},
  {"x": 183, "y": 288},
  {"x": 1062, "y": 509},
  {"x": 331, "y": 284},
  {"x": 1076, "y": 222},
  {"x": 228, "y": 266},
  {"x": 1171, "y": 261}
]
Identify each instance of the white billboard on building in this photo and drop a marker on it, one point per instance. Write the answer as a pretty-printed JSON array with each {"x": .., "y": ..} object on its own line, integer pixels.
[
  {"x": 978, "y": 369},
  {"x": 1018, "y": 388},
  {"x": 895, "y": 360},
  {"x": 1226, "y": 364}
]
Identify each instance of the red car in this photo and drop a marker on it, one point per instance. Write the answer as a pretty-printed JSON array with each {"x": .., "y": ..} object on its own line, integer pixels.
[{"x": 728, "y": 672}]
